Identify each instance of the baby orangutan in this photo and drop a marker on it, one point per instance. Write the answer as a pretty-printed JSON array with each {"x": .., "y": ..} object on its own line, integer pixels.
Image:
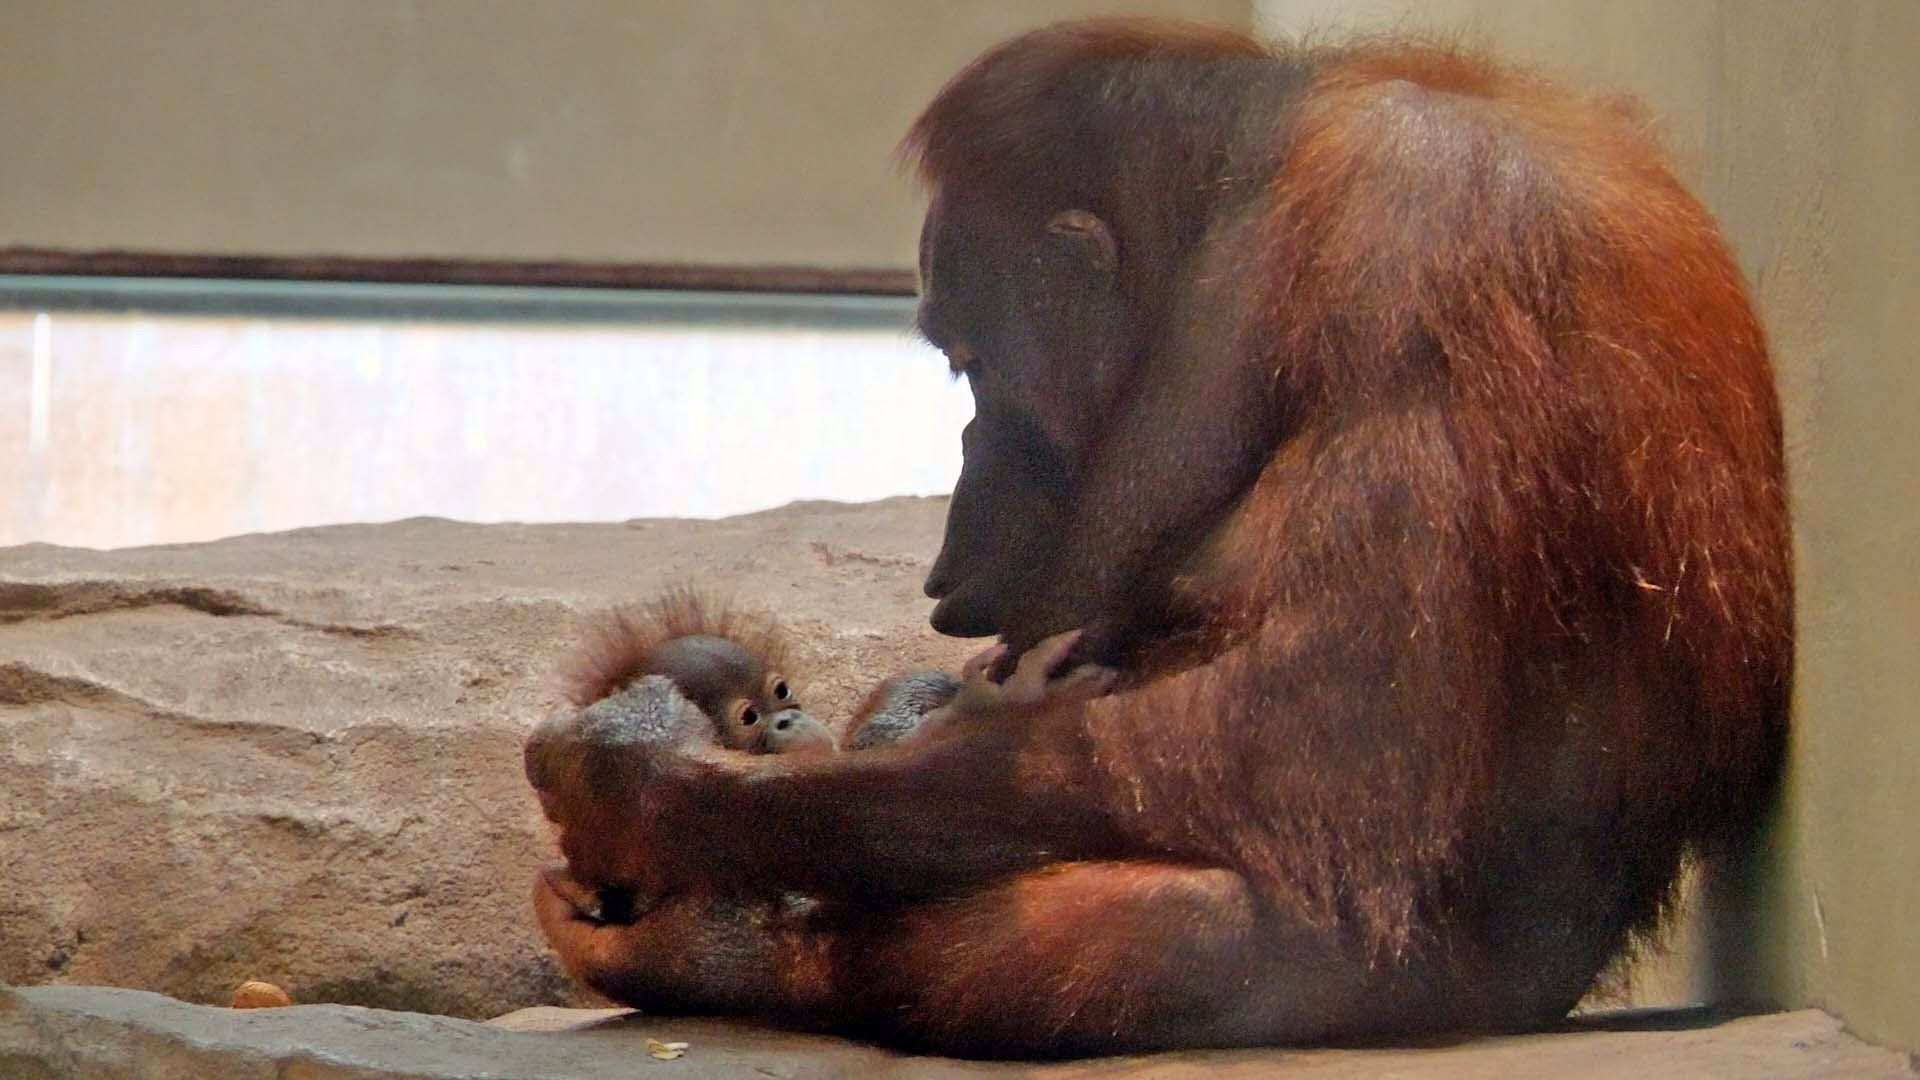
[
  {"x": 731, "y": 665},
  {"x": 683, "y": 659}
]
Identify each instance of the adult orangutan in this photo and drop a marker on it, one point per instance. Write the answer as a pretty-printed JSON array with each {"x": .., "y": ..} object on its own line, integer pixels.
[{"x": 1396, "y": 435}]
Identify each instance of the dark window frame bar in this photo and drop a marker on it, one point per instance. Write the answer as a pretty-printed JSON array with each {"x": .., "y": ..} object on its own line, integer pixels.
[
  {"x": 28, "y": 261},
  {"x": 454, "y": 290}
]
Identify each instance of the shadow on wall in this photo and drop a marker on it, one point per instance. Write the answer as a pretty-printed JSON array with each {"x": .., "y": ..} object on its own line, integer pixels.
[{"x": 118, "y": 430}]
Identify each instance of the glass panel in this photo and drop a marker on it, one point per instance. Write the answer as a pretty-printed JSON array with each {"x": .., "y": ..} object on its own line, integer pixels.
[{"x": 161, "y": 412}]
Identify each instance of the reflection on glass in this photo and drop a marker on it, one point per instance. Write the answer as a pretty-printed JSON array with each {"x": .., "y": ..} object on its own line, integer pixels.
[{"x": 121, "y": 428}]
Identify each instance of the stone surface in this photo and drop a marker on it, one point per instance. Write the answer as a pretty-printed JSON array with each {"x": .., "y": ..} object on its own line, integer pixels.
[
  {"x": 296, "y": 757},
  {"x": 104, "y": 1034}
]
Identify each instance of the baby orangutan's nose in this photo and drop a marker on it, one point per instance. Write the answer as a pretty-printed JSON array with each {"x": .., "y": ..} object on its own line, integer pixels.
[{"x": 796, "y": 732}]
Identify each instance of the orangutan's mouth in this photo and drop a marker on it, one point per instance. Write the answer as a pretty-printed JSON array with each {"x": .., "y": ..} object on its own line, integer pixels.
[{"x": 963, "y": 613}]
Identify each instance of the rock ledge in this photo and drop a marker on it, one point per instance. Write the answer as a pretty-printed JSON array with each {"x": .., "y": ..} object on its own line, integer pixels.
[{"x": 59, "y": 1032}]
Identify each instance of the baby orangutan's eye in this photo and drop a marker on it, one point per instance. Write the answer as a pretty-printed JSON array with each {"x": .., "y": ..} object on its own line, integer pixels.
[
  {"x": 780, "y": 690},
  {"x": 749, "y": 715}
]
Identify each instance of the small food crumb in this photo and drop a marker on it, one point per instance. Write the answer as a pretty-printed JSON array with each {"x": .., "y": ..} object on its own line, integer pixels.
[
  {"x": 665, "y": 1051},
  {"x": 260, "y": 995}
]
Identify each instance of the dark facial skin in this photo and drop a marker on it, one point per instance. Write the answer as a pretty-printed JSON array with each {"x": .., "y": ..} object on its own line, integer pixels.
[
  {"x": 1049, "y": 529},
  {"x": 753, "y": 708},
  {"x": 1045, "y": 352}
]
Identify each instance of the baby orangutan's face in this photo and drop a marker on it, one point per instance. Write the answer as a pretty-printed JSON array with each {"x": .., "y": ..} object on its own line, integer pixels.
[{"x": 752, "y": 706}]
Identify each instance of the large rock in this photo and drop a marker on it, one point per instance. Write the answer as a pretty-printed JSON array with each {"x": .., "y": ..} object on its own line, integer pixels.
[
  {"x": 296, "y": 757},
  {"x": 55, "y": 1033}
]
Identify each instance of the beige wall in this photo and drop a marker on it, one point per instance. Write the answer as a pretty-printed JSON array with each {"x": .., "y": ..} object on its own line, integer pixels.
[
  {"x": 758, "y": 132},
  {"x": 120, "y": 430},
  {"x": 1799, "y": 123},
  {"x": 732, "y": 132}
]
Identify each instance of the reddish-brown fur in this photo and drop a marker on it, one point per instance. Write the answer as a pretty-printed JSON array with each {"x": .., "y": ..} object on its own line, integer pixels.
[
  {"x": 618, "y": 641},
  {"x": 1418, "y": 463}
]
